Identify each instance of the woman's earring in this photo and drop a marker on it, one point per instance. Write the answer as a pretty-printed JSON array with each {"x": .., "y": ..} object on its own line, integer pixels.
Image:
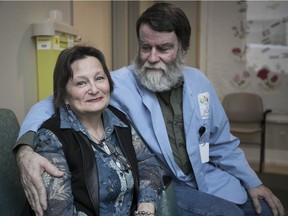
[{"x": 68, "y": 106}]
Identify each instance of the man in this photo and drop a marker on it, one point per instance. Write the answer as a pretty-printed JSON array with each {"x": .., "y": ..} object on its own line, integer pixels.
[{"x": 177, "y": 112}]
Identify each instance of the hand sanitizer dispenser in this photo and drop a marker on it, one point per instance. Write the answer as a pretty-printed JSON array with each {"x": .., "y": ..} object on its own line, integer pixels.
[{"x": 51, "y": 36}]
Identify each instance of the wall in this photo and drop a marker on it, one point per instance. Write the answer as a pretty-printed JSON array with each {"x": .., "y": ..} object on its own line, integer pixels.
[
  {"x": 18, "y": 79},
  {"x": 244, "y": 48},
  {"x": 18, "y": 86},
  {"x": 93, "y": 20},
  {"x": 230, "y": 25}
]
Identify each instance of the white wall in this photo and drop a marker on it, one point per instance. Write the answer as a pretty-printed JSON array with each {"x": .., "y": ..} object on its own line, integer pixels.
[
  {"x": 93, "y": 20},
  {"x": 18, "y": 85},
  {"x": 18, "y": 77},
  {"x": 222, "y": 66}
]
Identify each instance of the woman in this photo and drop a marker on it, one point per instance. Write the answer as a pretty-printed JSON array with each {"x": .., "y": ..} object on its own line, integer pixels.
[{"x": 93, "y": 145}]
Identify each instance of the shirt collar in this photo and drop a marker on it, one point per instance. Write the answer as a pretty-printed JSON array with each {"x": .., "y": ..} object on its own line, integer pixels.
[{"x": 68, "y": 119}]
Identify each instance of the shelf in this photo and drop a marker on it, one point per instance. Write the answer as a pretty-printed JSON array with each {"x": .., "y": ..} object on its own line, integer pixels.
[{"x": 49, "y": 28}]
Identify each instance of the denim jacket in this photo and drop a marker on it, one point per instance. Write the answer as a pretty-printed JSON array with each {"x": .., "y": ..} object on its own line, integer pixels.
[{"x": 116, "y": 185}]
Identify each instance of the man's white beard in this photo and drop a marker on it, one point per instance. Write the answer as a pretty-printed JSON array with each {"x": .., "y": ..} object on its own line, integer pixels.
[{"x": 159, "y": 77}]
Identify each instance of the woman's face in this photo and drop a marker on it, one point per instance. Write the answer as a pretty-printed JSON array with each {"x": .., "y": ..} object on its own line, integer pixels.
[{"x": 89, "y": 91}]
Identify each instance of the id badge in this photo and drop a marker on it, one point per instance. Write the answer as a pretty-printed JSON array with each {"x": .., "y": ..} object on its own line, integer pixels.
[{"x": 204, "y": 152}]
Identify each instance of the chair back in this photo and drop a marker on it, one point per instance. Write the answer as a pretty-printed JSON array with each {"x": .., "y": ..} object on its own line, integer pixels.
[
  {"x": 243, "y": 107},
  {"x": 12, "y": 198},
  {"x": 247, "y": 119}
]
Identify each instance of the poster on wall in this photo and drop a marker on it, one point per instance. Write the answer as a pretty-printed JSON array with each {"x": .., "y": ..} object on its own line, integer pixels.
[
  {"x": 246, "y": 49},
  {"x": 263, "y": 31}
]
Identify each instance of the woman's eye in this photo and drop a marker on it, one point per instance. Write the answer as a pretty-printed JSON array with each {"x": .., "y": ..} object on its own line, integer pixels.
[
  {"x": 100, "y": 78},
  {"x": 80, "y": 83}
]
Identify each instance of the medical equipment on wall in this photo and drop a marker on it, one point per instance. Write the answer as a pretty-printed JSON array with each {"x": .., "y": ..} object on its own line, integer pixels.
[{"x": 51, "y": 36}]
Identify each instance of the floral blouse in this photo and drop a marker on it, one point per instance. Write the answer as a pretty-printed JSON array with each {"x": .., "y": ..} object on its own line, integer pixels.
[{"x": 115, "y": 180}]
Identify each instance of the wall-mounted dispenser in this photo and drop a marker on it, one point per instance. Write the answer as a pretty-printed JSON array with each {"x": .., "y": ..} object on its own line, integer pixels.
[{"x": 52, "y": 36}]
